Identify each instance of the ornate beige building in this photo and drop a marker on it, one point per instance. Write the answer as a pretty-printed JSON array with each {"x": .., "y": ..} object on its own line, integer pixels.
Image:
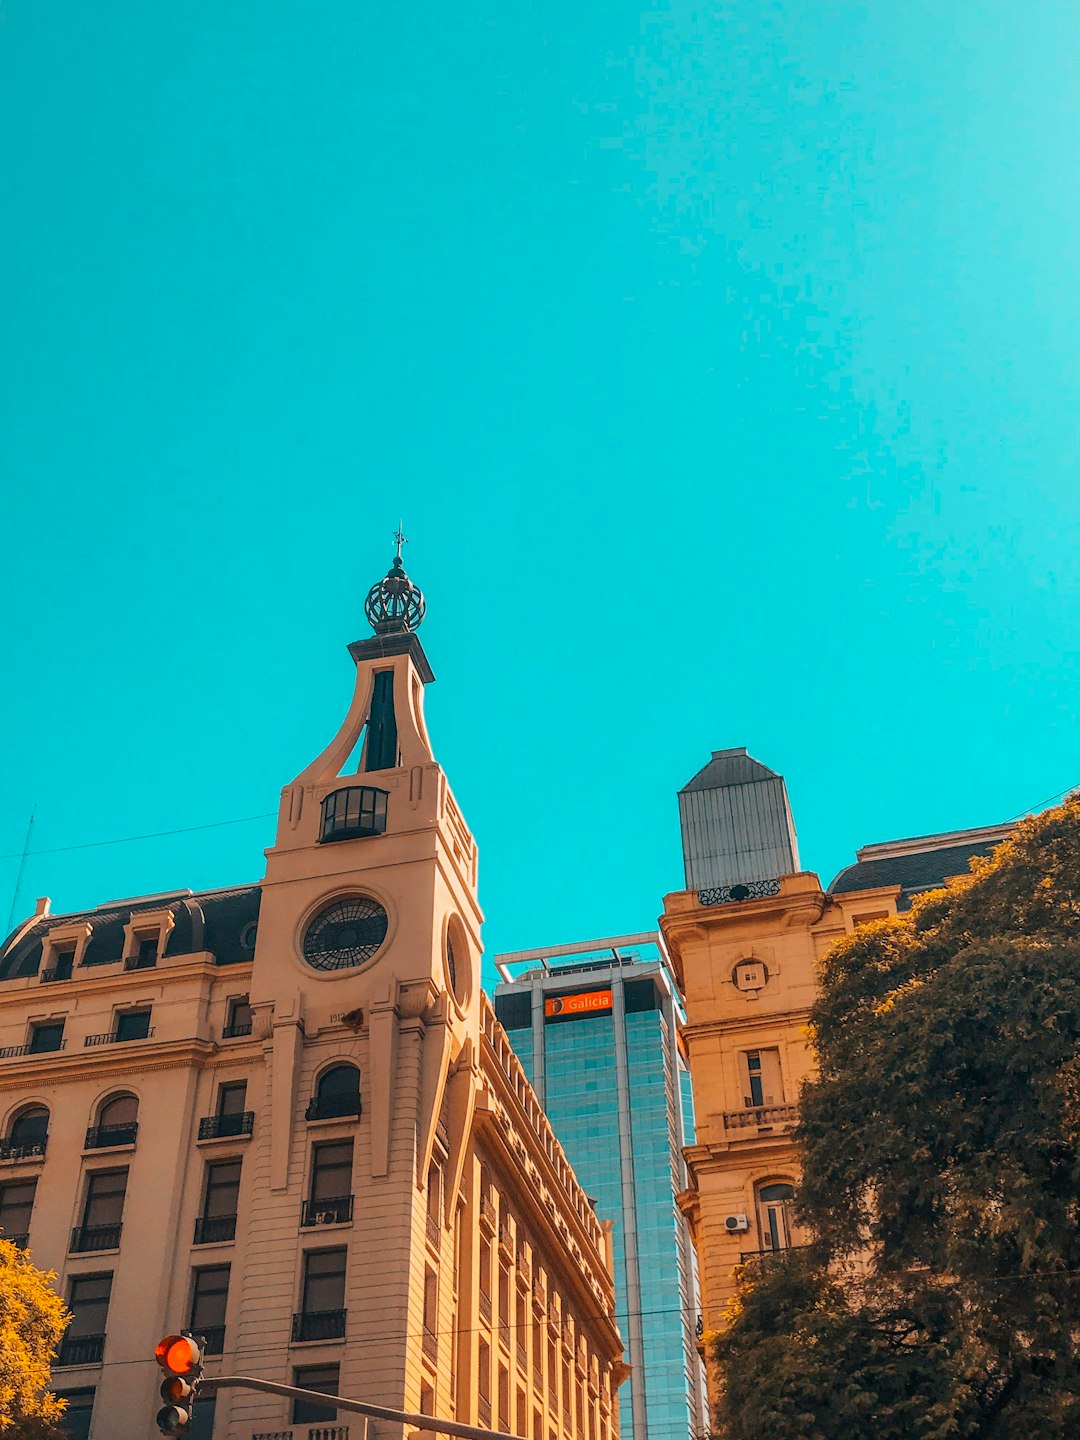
[
  {"x": 745, "y": 938},
  {"x": 285, "y": 1115}
]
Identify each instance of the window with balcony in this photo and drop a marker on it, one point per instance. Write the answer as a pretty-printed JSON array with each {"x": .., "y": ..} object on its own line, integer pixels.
[
  {"x": 483, "y": 1382},
  {"x": 61, "y": 965},
  {"x": 337, "y": 1095},
  {"x": 230, "y": 1117},
  {"x": 762, "y": 1080},
  {"x": 240, "y": 1018},
  {"x": 78, "y": 1412},
  {"x": 330, "y": 1199},
  {"x": 434, "y": 1206},
  {"x": 431, "y": 1315},
  {"x": 209, "y": 1296},
  {"x": 102, "y": 1213},
  {"x": 46, "y": 1037},
  {"x": 88, "y": 1300},
  {"x": 144, "y": 953},
  {"x": 220, "y": 1202},
  {"x": 326, "y": 1379},
  {"x": 775, "y": 1204},
  {"x": 28, "y": 1135},
  {"x": 117, "y": 1123},
  {"x": 16, "y": 1206},
  {"x": 322, "y": 1313}
]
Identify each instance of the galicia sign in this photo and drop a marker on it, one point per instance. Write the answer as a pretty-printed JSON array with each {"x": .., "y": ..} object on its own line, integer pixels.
[{"x": 578, "y": 1004}]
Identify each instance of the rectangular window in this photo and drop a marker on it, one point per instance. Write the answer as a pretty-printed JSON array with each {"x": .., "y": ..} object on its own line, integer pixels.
[
  {"x": 504, "y": 1399},
  {"x": 485, "y": 1278},
  {"x": 104, "y": 1203},
  {"x": 762, "y": 1081},
  {"x": 77, "y": 1414},
  {"x": 16, "y": 1205},
  {"x": 232, "y": 1098},
  {"x": 240, "y": 1017},
  {"x": 88, "y": 1300},
  {"x": 146, "y": 954},
  {"x": 46, "y": 1037},
  {"x": 222, "y": 1188},
  {"x": 522, "y": 1414},
  {"x": 132, "y": 1025},
  {"x": 209, "y": 1296},
  {"x": 324, "y": 1280},
  {"x": 431, "y": 1302},
  {"x": 331, "y": 1170},
  {"x": 326, "y": 1379},
  {"x": 483, "y": 1380},
  {"x": 202, "y": 1419}
]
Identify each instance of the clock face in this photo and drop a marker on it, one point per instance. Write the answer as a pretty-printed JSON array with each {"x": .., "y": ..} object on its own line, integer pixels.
[{"x": 346, "y": 934}]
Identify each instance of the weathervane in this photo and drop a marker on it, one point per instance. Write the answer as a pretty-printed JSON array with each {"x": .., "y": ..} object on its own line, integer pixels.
[{"x": 401, "y": 540}]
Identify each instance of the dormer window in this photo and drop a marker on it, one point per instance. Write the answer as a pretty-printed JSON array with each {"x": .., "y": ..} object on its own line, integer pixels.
[
  {"x": 354, "y": 811},
  {"x": 145, "y": 954}
]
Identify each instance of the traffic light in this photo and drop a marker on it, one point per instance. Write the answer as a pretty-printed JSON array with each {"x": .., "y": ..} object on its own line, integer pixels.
[{"x": 181, "y": 1357}]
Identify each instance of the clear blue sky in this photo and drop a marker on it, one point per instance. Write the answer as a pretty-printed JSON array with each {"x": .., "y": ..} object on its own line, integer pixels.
[{"x": 722, "y": 360}]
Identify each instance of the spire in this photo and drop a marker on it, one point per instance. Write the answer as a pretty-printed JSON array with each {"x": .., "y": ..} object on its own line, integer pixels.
[{"x": 395, "y": 606}]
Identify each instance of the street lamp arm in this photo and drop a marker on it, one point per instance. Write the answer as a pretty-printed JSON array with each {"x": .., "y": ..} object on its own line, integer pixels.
[{"x": 208, "y": 1385}]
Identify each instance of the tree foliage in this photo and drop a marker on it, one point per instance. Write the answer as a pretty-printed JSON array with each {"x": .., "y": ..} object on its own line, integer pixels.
[
  {"x": 32, "y": 1320},
  {"x": 940, "y": 1147}
]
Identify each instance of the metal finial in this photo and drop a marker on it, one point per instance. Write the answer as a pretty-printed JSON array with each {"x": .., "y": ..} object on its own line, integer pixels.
[{"x": 395, "y": 606}]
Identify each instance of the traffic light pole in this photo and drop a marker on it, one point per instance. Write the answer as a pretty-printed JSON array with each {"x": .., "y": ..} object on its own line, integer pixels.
[{"x": 208, "y": 1386}]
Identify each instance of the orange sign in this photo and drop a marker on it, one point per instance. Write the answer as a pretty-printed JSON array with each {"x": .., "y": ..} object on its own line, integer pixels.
[{"x": 578, "y": 1004}]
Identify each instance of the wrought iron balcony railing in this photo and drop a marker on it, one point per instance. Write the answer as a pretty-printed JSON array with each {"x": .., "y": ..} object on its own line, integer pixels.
[
  {"x": 234, "y": 1032},
  {"x": 141, "y": 962},
  {"x": 113, "y": 1037},
  {"x": 318, "y": 1325},
  {"x": 333, "y": 1107},
  {"x": 431, "y": 1223},
  {"x": 762, "y": 1117},
  {"x": 767, "y": 1259},
  {"x": 214, "y": 1336},
  {"x": 23, "y": 1149},
  {"x": 326, "y": 1212},
  {"x": 103, "y": 1137},
  {"x": 314, "y": 1432},
  {"x": 213, "y": 1229},
  {"x": 20, "y": 1240},
  {"x": 430, "y": 1343},
  {"x": 56, "y": 972},
  {"x": 9, "y": 1052},
  {"x": 220, "y": 1127},
  {"x": 81, "y": 1350},
  {"x": 94, "y": 1237}
]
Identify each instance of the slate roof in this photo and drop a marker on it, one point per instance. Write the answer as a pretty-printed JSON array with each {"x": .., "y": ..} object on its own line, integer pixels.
[
  {"x": 914, "y": 870},
  {"x": 214, "y": 920}
]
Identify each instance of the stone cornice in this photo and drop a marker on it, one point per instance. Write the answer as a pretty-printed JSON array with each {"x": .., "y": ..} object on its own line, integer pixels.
[{"x": 127, "y": 1057}]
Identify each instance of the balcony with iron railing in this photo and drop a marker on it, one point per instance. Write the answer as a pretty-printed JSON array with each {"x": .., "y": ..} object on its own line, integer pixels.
[
  {"x": 769, "y": 1259},
  {"x": 226, "y": 1127},
  {"x": 318, "y": 1325},
  {"x": 113, "y": 1037},
  {"x": 141, "y": 962},
  {"x": 762, "y": 1117},
  {"x": 213, "y": 1338},
  {"x": 23, "y": 1149},
  {"x": 236, "y": 1031},
  {"x": 333, "y": 1107},
  {"x": 483, "y": 1410},
  {"x": 485, "y": 1305},
  {"x": 338, "y": 1211},
  {"x": 81, "y": 1350},
  {"x": 10, "y": 1052},
  {"x": 55, "y": 973},
  {"x": 433, "y": 1230},
  {"x": 106, "y": 1137},
  {"x": 94, "y": 1237},
  {"x": 430, "y": 1345},
  {"x": 214, "y": 1229},
  {"x": 20, "y": 1241}
]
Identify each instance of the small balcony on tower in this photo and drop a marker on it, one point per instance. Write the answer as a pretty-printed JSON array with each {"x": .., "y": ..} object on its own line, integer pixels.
[{"x": 352, "y": 812}]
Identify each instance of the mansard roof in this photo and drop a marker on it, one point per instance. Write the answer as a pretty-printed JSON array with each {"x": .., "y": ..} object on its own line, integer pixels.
[
  {"x": 921, "y": 863},
  {"x": 213, "y": 920}
]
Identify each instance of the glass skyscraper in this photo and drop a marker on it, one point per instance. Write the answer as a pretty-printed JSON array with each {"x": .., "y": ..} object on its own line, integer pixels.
[{"x": 594, "y": 1026}]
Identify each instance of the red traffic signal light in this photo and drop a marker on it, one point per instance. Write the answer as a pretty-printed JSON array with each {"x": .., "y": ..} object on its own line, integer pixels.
[{"x": 180, "y": 1356}]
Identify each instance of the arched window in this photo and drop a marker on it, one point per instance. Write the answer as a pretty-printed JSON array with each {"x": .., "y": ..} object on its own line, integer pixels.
[
  {"x": 118, "y": 1123},
  {"x": 337, "y": 1094},
  {"x": 29, "y": 1132},
  {"x": 774, "y": 1210}
]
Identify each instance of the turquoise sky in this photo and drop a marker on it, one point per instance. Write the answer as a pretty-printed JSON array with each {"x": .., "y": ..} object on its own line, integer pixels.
[{"x": 722, "y": 360}]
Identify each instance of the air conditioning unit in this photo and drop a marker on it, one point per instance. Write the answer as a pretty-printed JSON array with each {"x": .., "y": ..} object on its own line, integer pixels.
[{"x": 735, "y": 1223}]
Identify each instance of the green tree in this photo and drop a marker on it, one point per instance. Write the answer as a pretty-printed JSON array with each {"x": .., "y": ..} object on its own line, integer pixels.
[
  {"x": 940, "y": 1147},
  {"x": 32, "y": 1319}
]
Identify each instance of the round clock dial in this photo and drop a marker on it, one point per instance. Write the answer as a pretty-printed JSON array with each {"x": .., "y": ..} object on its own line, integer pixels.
[{"x": 345, "y": 934}]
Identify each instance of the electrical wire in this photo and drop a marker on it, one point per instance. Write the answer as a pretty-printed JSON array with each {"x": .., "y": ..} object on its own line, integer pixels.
[{"x": 154, "y": 835}]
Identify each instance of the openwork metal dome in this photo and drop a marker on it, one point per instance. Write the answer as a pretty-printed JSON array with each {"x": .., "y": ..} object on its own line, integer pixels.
[{"x": 395, "y": 606}]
